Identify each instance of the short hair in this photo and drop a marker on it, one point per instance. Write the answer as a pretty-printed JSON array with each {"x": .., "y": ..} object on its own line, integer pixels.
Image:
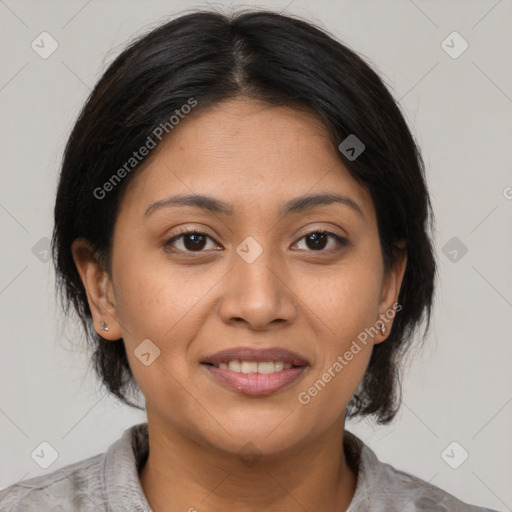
[{"x": 281, "y": 60}]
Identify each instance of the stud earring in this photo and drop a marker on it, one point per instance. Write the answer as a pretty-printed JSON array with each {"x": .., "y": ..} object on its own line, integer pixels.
[
  {"x": 103, "y": 326},
  {"x": 382, "y": 329}
]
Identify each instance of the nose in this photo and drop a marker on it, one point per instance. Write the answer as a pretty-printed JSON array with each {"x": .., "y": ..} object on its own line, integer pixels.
[{"x": 258, "y": 295}]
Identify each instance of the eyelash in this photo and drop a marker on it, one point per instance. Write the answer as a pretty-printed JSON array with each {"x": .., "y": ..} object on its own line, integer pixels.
[{"x": 342, "y": 242}]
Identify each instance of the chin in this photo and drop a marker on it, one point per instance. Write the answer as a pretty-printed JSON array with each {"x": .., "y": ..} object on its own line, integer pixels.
[{"x": 267, "y": 435}]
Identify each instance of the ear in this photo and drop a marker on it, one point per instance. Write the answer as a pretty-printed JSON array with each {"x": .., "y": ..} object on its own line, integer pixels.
[
  {"x": 99, "y": 289},
  {"x": 390, "y": 291}
]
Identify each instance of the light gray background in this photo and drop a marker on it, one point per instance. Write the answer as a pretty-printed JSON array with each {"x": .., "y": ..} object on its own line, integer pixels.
[{"x": 457, "y": 389}]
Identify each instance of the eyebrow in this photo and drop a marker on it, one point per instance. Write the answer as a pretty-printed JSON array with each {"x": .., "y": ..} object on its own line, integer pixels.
[{"x": 214, "y": 205}]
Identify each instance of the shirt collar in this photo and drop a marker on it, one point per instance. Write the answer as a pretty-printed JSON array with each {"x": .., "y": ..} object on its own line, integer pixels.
[
  {"x": 123, "y": 490},
  {"x": 126, "y": 456}
]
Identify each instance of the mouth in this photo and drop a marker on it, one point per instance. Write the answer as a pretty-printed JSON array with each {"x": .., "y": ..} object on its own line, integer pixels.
[
  {"x": 263, "y": 367},
  {"x": 255, "y": 371}
]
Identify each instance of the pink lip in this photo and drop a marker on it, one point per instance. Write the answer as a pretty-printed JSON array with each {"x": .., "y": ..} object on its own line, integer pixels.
[
  {"x": 258, "y": 355},
  {"x": 255, "y": 383}
]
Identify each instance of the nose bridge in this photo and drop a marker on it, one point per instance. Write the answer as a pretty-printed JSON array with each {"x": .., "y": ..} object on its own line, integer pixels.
[{"x": 255, "y": 288}]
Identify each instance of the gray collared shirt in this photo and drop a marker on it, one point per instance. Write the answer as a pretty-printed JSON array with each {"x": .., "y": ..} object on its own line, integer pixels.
[{"x": 110, "y": 482}]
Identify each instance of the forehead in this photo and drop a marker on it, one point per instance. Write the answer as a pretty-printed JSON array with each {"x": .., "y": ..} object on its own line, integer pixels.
[{"x": 244, "y": 151}]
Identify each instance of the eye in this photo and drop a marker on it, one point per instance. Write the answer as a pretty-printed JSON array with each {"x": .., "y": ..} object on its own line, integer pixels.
[
  {"x": 318, "y": 240},
  {"x": 190, "y": 240}
]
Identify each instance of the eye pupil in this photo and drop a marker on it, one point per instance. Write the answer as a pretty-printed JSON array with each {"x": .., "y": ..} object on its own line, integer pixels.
[
  {"x": 197, "y": 241},
  {"x": 318, "y": 239}
]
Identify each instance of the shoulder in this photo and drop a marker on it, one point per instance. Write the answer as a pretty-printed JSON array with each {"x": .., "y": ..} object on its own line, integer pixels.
[
  {"x": 417, "y": 495},
  {"x": 72, "y": 487},
  {"x": 107, "y": 481},
  {"x": 382, "y": 487}
]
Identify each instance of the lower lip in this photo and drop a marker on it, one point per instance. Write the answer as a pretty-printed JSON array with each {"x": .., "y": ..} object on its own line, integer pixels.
[{"x": 255, "y": 383}]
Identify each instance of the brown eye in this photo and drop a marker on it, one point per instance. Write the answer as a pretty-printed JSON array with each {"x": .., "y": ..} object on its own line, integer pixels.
[
  {"x": 189, "y": 241},
  {"x": 194, "y": 241},
  {"x": 318, "y": 240}
]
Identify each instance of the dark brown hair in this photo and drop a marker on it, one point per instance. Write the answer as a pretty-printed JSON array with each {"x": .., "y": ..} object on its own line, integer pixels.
[{"x": 279, "y": 59}]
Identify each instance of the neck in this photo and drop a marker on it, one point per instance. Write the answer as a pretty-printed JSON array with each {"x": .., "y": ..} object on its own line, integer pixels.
[{"x": 180, "y": 474}]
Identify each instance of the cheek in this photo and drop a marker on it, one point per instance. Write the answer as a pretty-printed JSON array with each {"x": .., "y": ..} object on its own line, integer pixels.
[
  {"x": 345, "y": 304},
  {"x": 342, "y": 348},
  {"x": 153, "y": 297},
  {"x": 345, "y": 299},
  {"x": 169, "y": 306},
  {"x": 163, "y": 305}
]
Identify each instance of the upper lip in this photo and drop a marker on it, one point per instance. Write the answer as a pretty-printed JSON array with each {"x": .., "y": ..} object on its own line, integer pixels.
[{"x": 258, "y": 355}]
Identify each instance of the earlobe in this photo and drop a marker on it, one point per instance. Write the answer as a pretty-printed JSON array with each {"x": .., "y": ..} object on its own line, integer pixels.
[
  {"x": 390, "y": 292},
  {"x": 98, "y": 287}
]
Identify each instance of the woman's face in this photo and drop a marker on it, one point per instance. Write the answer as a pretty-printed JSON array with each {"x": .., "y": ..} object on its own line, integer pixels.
[{"x": 252, "y": 280}]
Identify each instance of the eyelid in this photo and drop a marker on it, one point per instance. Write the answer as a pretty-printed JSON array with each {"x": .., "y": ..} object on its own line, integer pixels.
[
  {"x": 189, "y": 230},
  {"x": 326, "y": 230},
  {"x": 341, "y": 240}
]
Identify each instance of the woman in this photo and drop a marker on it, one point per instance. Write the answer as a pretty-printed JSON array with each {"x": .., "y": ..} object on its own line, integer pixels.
[{"x": 243, "y": 226}]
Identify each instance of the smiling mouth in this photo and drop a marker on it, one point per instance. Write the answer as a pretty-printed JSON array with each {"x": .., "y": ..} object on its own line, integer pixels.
[
  {"x": 248, "y": 367},
  {"x": 242, "y": 380},
  {"x": 252, "y": 371}
]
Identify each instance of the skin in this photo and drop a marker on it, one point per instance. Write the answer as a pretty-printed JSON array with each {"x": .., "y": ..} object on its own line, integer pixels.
[{"x": 314, "y": 302}]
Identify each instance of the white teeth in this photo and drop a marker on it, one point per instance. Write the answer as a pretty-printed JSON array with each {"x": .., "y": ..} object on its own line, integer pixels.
[
  {"x": 234, "y": 366},
  {"x": 249, "y": 367},
  {"x": 265, "y": 367}
]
